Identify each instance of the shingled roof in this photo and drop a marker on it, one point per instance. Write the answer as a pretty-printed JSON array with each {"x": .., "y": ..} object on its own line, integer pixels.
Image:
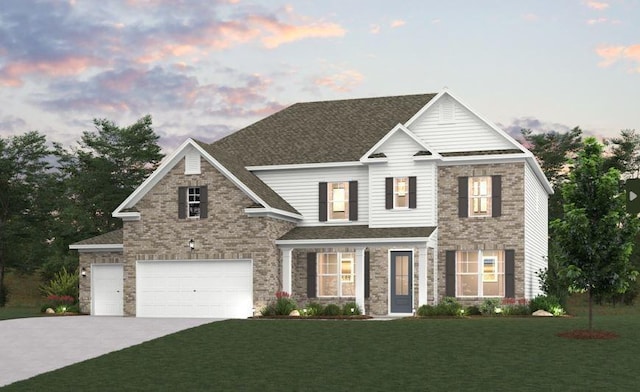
[
  {"x": 111, "y": 238},
  {"x": 326, "y": 131},
  {"x": 355, "y": 232}
]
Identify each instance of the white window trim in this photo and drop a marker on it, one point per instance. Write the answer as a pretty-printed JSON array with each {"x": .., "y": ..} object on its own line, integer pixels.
[
  {"x": 480, "y": 274},
  {"x": 190, "y": 203},
  {"x": 340, "y": 257},
  {"x": 396, "y": 193},
  {"x": 486, "y": 196}
]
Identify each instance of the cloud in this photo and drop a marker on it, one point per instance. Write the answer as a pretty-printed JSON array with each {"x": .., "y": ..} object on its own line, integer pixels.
[
  {"x": 597, "y": 5},
  {"x": 532, "y": 123},
  {"x": 530, "y": 17},
  {"x": 12, "y": 123},
  {"x": 375, "y": 29},
  {"x": 279, "y": 33},
  {"x": 343, "y": 81},
  {"x": 597, "y": 21},
  {"x": 612, "y": 54},
  {"x": 397, "y": 23}
]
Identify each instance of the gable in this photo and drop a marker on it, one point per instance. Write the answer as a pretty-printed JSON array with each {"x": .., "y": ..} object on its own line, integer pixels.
[
  {"x": 449, "y": 126},
  {"x": 399, "y": 146}
]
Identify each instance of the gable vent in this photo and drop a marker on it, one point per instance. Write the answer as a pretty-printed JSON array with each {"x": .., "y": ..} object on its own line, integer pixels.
[
  {"x": 192, "y": 162},
  {"x": 447, "y": 110}
]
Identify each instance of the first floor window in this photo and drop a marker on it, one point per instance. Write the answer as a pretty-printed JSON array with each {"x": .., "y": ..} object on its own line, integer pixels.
[
  {"x": 335, "y": 274},
  {"x": 480, "y": 273}
]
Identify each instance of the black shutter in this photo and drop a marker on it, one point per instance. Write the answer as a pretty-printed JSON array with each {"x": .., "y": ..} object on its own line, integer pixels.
[
  {"x": 510, "y": 273},
  {"x": 496, "y": 196},
  {"x": 450, "y": 273},
  {"x": 182, "y": 202},
  {"x": 353, "y": 200},
  {"x": 367, "y": 273},
  {"x": 204, "y": 202},
  {"x": 412, "y": 192},
  {"x": 322, "y": 203},
  {"x": 463, "y": 197},
  {"x": 311, "y": 274},
  {"x": 388, "y": 193}
]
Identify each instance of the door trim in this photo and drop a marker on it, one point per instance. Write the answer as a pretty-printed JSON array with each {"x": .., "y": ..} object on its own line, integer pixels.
[{"x": 411, "y": 287}]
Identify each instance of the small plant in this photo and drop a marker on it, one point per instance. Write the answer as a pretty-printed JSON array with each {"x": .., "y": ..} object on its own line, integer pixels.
[
  {"x": 425, "y": 310},
  {"x": 351, "y": 309},
  {"x": 284, "y": 304},
  {"x": 59, "y": 303},
  {"x": 314, "y": 309},
  {"x": 449, "y": 306},
  {"x": 332, "y": 310},
  {"x": 63, "y": 283},
  {"x": 269, "y": 310},
  {"x": 473, "y": 310},
  {"x": 549, "y": 303},
  {"x": 490, "y": 306}
]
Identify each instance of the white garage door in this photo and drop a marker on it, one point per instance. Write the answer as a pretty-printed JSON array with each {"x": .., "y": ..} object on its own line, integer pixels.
[{"x": 190, "y": 288}]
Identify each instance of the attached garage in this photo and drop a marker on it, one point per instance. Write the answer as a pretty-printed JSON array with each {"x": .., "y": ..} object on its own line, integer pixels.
[{"x": 194, "y": 288}]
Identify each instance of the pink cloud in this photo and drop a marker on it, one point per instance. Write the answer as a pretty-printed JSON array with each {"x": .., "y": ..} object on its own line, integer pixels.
[
  {"x": 12, "y": 74},
  {"x": 397, "y": 23},
  {"x": 597, "y": 21},
  {"x": 613, "y": 54},
  {"x": 375, "y": 29},
  {"x": 597, "y": 5},
  {"x": 281, "y": 33},
  {"x": 344, "y": 81}
]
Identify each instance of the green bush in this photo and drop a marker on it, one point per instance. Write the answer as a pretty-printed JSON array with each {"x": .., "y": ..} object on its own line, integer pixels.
[
  {"x": 269, "y": 310},
  {"x": 314, "y": 309},
  {"x": 284, "y": 306},
  {"x": 473, "y": 310},
  {"x": 346, "y": 309},
  {"x": 489, "y": 306},
  {"x": 449, "y": 306},
  {"x": 549, "y": 303},
  {"x": 425, "y": 310},
  {"x": 63, "y": 283},
  {"x": 516, "y": 310},
  {"x": 332, "y": 310}
]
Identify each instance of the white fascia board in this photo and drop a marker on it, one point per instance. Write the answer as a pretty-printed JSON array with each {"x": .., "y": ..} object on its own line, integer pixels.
[
  {"x": 427, "y": 158},
  {"x": 352, "y": 241},
  {"x": 302, "y": 166},
  {"x": 273, "y": 213},
  {"x": 397, "y": 128},
  {"x": 537, "y": 170},
  {"x": 128, "y": 216},
  {"x": 97, "y": 247},
  {"x": 168, "y": 163},
  {"x": 483, "y": 159},
  {"x": 489, "y": 123}
]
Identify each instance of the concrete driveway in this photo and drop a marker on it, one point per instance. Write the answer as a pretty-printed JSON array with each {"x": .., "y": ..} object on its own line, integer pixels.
[{"x": 32, "y": 346}]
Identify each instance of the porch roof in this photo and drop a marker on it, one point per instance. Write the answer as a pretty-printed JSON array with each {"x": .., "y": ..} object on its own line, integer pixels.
[{"x": 355, "y": 234}]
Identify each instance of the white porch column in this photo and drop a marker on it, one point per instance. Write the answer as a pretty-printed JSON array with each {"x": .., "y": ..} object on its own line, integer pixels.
[
  {"x": 286, "y": 269},
  {"x": 360, "y": 278},
  {"x": 435, "y": 275},
  {"x": 422, "y": 275}
]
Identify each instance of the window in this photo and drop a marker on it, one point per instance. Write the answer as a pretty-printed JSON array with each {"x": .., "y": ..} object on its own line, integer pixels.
[
  {"x": 192, "y": 202},
  {"x": 480, "y": 273},
  {"x": 338, "y": 200},
  {"x": 479, "y": 196},
  {"x": 335, "y": 274},
  {"x": 400, "y": 193}
]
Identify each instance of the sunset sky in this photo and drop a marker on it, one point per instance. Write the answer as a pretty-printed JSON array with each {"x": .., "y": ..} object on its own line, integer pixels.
[{"x": 205, "y": 68}]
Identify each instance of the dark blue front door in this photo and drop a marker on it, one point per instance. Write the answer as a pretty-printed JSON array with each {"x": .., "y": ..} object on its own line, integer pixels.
[{"x": 401, "y": 282}]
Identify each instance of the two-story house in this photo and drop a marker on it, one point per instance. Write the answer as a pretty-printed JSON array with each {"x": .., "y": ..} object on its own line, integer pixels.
[{"x": 390, "y": 202}]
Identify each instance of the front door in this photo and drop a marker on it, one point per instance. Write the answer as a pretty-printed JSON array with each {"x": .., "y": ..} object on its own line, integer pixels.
[
  {"x": 107, "y": 282},
  {"x": 401, "y": 282}
]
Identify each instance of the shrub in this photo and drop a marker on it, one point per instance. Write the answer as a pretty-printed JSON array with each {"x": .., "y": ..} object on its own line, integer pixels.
[
  {"x": 351, "y": 309},
  {"x": 473, "y": 310},
  {"x": 269, "y": 310},
  {"x": 63, "y": 283},
  {"x": 449, "y": 306},
  {"x": 425, "y": 310},
  {"x": 549, "y": 303},
  {"x": 332, "y": 310},
  {"x": 284, "y": 304},
  {"x": 59, "y": 303},
  {"x": 491, "y": 306},
  {"x": 314, "y": 309}
]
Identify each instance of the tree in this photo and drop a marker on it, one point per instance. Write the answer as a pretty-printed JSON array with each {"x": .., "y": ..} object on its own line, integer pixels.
[
  {"x": 596, "y": 234},
  {"x": 552, "y": 149},
  {"x": 625, "y": 153},
  {"x": 106, "y": 168},
  {"x": 24, "y": 181}
]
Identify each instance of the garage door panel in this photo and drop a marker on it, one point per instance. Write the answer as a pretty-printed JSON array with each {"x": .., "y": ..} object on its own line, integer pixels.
[{"x": 216, "y": 288}]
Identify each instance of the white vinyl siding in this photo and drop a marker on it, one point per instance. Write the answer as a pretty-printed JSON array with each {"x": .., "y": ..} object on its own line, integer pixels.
[
  {"x": 399, "y": 150},
  {"x": 299, "y": 187},
  {"x": 535, "y": 231},
  {"x": 466, "y": 133}
]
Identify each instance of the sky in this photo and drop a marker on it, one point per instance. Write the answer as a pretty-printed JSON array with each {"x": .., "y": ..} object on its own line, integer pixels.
[{"x": 203, "y": 69}]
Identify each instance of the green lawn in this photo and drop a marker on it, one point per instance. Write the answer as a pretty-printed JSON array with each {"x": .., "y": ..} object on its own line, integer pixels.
[
  {"x": 480, "y": 354},
  {"x": 14, "y": 312}
]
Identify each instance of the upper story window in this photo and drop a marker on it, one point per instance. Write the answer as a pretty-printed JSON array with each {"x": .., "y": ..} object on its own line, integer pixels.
[
  {"x": 480, "y": 196},
  {"x": 336, "y": 274},
  {"x": 400, "y": 193},
  {"x": 338, "y": 201},
  {"x": 192, "y": 202}
]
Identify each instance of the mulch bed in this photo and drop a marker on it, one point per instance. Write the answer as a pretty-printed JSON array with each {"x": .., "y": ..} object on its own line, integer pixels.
[
  {"x": 360, "y": 317},
  {"x": 587, "y": 334}
]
